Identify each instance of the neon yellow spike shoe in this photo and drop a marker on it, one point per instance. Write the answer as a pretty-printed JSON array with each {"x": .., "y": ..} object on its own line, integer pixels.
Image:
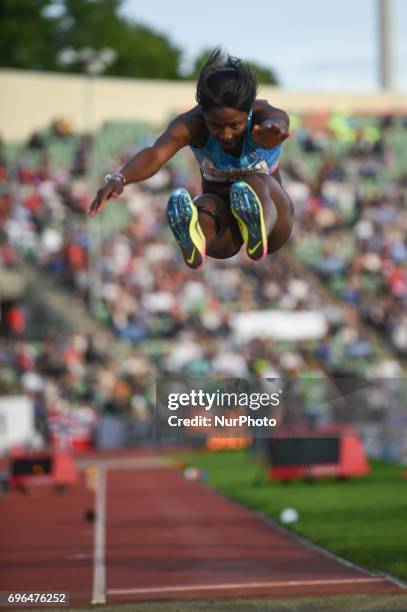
[
  {"x": 248, "y": 212},
  {"x": 183, "y": 219}
]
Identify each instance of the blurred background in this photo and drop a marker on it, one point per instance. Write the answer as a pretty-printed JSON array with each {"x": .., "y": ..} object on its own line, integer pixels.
[{"x": 92, "y": 311}]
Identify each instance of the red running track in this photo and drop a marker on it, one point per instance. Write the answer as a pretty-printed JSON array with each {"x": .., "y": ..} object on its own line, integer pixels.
[
  {"x": 45, "y": 543},
  {"x": 161, "y": 537},
  {"x": 169, "y": 538}
]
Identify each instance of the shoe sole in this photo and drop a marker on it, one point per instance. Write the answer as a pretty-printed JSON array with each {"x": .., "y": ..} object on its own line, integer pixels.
[
  {"x": 248, "y": 212},
  {"x": 183, "y": 219}
]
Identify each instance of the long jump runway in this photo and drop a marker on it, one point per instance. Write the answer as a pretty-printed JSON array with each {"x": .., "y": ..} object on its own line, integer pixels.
[{"x": 158, "y": 536}]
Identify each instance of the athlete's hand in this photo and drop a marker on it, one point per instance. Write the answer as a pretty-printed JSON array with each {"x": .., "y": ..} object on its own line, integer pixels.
[
  {"x": 269, "y": 133},
  {"x": 112, "y": 189}
]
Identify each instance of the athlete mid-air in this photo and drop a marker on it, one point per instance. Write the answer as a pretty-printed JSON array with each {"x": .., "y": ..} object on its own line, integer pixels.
[{"x": 236, "y": 139}]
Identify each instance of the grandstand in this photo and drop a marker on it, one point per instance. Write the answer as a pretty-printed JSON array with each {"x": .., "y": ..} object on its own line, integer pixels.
[
  {"x": 94, "y": 311},
  {"x": 340, "y": 169}
]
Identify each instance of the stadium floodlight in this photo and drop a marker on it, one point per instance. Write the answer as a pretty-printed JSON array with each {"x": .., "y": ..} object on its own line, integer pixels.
[
  {"x": 108, "y": 56},
  {"x": 94, "y": 61},
  {"x": 67, "y": 56},
  {"x": 96, "y": 67},
  {"x": 87, "y": 55}
]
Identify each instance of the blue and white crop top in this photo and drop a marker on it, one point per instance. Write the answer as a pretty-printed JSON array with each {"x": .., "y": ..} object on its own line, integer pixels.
[{"x": 218, "y": 166}]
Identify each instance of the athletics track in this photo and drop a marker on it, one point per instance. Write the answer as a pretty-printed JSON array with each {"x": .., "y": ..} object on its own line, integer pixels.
[{"x": 158, "y": 536}]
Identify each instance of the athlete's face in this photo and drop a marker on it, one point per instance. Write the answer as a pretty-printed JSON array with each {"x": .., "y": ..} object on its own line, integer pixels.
[{"x": 226, "y": 124}]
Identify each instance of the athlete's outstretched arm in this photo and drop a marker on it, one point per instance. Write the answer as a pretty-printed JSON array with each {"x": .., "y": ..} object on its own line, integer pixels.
[
  {"x": 270, "y": 127},
  {"x": 144, "y": 164}
]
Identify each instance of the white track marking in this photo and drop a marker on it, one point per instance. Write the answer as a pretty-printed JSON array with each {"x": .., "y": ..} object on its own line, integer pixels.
[
  {"x": 308, "y": 544},
  {"x": 99, "y": 563},
  {"x": 125, "y": 463},
  {"x": 238, "y": 585}
]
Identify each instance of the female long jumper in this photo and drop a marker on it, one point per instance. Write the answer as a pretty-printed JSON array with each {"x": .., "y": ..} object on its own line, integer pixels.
[{"x": 236, "y": 139}]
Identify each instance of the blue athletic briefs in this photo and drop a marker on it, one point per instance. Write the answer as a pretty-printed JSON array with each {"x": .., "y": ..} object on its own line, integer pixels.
[{"x": 217, "y": 165}]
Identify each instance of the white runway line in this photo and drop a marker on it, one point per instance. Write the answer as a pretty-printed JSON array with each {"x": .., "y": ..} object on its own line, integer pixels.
[
  {"x": 238, "y": 585},
  {"x": 125, "y": 463},
  {"x": 99, "y": 562}
]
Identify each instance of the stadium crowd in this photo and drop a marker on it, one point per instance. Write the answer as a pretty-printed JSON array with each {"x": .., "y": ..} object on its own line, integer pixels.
[
  {"x": 347, "y": 187},
  {"x": 353, "y": 216}
]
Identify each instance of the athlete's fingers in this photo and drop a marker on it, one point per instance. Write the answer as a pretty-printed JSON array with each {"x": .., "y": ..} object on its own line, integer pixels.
[
  {"x": 279, "y": 131},
  {"x": 100, "y": 200},
  {"x": 268, "y": 126},
  {"x": 265, "y": 125},
  {"x": 282, "y": 131},
  {"x": 274, "y": 127},
  {"x": 269, "y": 129},
  {"x": 96, "y": 205}
]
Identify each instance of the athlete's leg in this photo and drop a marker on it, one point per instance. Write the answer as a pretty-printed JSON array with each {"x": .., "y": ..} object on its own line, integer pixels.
[
  {"x": 204, "y": 226},
  {"x": 222, "y": 234},
  {"x": 281, "y": 231},
  {"x": 264, "y": 214}
]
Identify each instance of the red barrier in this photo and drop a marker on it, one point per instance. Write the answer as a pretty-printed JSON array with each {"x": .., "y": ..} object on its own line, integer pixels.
[
  {"x": 322, "y": 452},
  {"x": 54, "y": 468}
]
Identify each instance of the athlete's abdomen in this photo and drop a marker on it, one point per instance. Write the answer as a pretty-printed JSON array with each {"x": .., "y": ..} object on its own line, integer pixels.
[{"x": 217, "y": 166}]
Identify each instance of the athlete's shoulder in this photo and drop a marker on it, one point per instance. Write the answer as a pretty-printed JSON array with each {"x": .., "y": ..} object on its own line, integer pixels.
[
  {"x": 194, "y": 122},
  {"x": 263, "y": 110}
]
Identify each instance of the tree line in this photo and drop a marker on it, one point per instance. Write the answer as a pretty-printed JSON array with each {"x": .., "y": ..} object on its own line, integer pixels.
[{"x": 36, "y": 34}]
